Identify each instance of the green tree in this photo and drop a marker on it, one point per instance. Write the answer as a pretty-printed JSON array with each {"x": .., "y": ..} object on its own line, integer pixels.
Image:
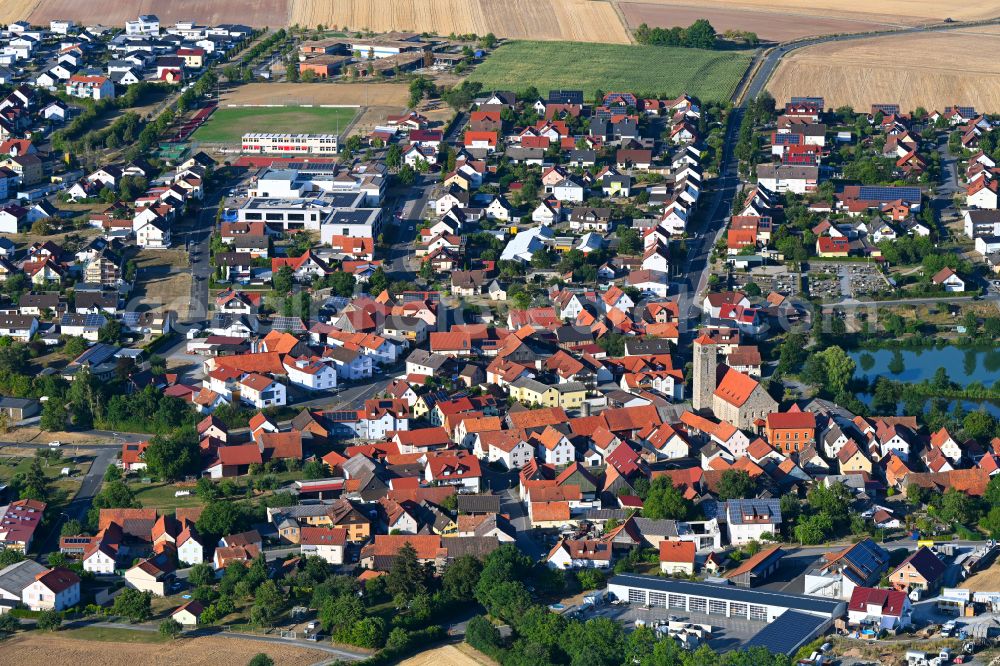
[
  {"x": 9, "y": 556},
  {"x": 170, "y": 628},
  {"x": 268, "y": 602},
  {"x": 110, "y": 333},
  {"x": 393, "y": 156},
  {"x": 460, "y": 578},
  {"x": 406, "y": 175},
  {"x": 33, "y": 485},
  {"x": 134, "y": 605},
  {"x": 174, "y": 456},
  {"x": 71, "y": 527},
  {"x": 839, "y": 368},
  {"x": 368, "y": 632},
  {"x": 979, "y": 424},
  {"x": 957, "y": 506},
  {"x": 591, "y": 579},
  {"x": 49, "y": 620},
  {"x": 342, "y": 284},
  {"x": 260, "y": 659},
  {"x": 482, "y": 634},
  {"x": 74, "y": 346},
  {"x": 407, "y": 576},
  {"x": 338, "y": 614},
  {"x": 736, "y": 484},
  {"x": 9, "y": 624},
  {"x": 53, "y": 417},
  {"x": 283, "y": 280},
  {"x": 201, "y": 574},
  {"x": 378, "y": 282},
  {"x": 665, "y": 501}
]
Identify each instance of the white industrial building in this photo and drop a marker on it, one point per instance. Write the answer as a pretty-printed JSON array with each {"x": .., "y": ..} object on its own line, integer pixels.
[{"x": 788, "y": 620}]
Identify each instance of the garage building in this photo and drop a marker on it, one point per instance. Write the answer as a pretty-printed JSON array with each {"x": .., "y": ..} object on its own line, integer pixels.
[{"x": 733, "y": 602}]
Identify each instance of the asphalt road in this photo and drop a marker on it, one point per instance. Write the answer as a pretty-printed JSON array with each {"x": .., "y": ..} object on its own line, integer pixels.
[
  {"x": 773, "y": 57},
  {"x": 694, "y": 277},
  {"x": 80, "y": 504}
]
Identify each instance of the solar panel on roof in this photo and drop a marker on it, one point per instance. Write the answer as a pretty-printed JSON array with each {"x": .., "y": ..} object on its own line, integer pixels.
[
  {"x": 886, "y": 193},
  {"x": 786, "y": 633},
  {"x": 812, "y": 101},
  {"x": 293, "y": 324}
]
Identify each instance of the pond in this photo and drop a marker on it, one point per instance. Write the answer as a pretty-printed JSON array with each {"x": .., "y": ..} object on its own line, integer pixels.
[
  {"x": 964, "y": 366},
  {"x": 968, "y": 405}
]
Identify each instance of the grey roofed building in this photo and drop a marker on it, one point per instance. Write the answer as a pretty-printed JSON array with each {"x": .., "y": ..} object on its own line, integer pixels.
[
  {"x": 19, "y": 408},
  {"x": 787, "y": 633},
  {"x": 518, "y": 154},
  {"x": 478, "y": 504},
  {"x": 569, "y": 387},
  {"x": 821, "y": 607},
  {"x": 787, "y": 172},
  {"x": 574, "y": 334},
  {"x": 16, "y": 577},
  {"x": 476, "y": 546},
  {"x": 664, "y": 528},
  {"x": 427, "y": 359},
  {"x": 531, "y": 384},
  {"x": 605, "y": 514}
]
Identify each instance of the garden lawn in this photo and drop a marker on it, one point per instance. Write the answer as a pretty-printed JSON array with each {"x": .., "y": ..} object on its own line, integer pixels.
[
  {"x": 161, "y": 496},
  {"x": 644, "y": 70},
  {"x": 228, "y": 125}
]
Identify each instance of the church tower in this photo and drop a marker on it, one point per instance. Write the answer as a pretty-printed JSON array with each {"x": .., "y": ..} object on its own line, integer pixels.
[{"x": 705, "y": 363}]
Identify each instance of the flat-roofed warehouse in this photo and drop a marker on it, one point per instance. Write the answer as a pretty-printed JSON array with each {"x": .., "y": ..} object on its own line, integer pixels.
[{"x": 732, "y": 602}]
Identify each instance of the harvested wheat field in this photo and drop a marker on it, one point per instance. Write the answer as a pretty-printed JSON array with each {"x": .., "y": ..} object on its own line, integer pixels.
[
  {"x": 348, "y": 94},
  {"x": 46, "y": 649},
  {"x": 893, "y": 12},
  {"x": 15, "y": 10},
  {"x": 449, "y": 655},
  {"x": 258, "y": 14},
  {"x": 574, "y": 20},
  {"x": 987, "y": 580},
  {"x": 897, "y": 69},
  {"x": 769, "y": 24}
]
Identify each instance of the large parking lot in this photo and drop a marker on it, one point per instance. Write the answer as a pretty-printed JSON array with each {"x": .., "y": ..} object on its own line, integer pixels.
[{"x": 727, "y": 633}]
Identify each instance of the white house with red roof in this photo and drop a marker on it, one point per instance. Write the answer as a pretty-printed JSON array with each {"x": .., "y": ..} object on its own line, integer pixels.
[
  {"x": 261, "y": 392},
  {"x": 949, "y": 279},
  {"x": 56, "y": 589},
  {"x": 90, "y": 86},
  {"x": 580, "y": 554},
  {"x": 324, "y": 542},
  {"x": 454, "y": 469},
  {"x": 311, "y": 373},
  {"x": 886, "y": 609}
]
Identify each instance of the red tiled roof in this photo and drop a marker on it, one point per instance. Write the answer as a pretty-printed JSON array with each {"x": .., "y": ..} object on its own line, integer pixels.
[{"x": 677, "y": 551}]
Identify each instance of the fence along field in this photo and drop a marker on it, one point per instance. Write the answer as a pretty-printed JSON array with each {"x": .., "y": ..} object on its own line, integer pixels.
[
  {"x": 645, "y": 70},
  {"x": 573, "y": 20},
  {"x": 897, "y": 69}
]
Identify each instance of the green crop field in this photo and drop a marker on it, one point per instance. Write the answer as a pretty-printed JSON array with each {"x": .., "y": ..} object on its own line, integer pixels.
[
  {"x": 228, "y": 125},
  {"x": 644, "y": 70}
]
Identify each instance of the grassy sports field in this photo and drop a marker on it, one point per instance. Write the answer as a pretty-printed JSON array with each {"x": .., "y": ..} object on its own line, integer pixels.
[
  {"x": 645, "y": 70},
  {"x": 228, "y": 125}
]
